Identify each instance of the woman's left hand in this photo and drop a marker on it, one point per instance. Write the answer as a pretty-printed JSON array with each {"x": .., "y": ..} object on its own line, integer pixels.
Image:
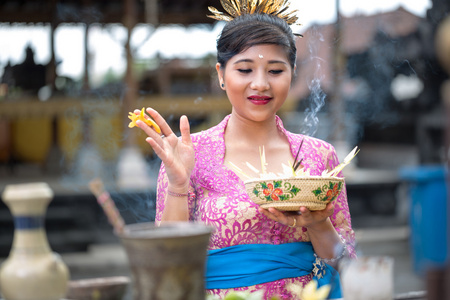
[{"x": 302, "y": 218}]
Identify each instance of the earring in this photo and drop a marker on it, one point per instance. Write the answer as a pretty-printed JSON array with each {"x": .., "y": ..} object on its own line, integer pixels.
[{"x": 222, "y": 85}]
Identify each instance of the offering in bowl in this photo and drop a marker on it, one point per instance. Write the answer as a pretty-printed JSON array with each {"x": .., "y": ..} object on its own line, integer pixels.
[
  {"x": 294, "y": 188},
  {"x": 290, "y": 193}
]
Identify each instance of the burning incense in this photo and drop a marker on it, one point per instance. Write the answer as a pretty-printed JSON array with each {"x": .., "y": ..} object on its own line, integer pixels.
[
  {"x": 105, "y": 201},
  {"x": 296, "y": 163}
]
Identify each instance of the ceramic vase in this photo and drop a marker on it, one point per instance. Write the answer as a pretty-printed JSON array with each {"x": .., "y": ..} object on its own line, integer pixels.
[
  {"x": 167, "y": 262},
  {"x": 31, "y": 271}
]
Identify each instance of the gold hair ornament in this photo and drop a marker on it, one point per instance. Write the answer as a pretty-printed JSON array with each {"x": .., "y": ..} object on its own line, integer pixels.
[{"x": 235, "y": 8}]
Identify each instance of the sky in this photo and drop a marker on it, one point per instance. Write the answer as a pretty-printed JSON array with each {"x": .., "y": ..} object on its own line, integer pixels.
[{"x": 106, "y": 44}]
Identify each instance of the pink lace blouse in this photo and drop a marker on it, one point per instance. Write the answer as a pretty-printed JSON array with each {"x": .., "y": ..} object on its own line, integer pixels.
[{"x": 222, "y": 202}]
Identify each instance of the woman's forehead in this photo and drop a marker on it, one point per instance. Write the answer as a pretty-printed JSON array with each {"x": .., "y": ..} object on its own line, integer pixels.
[{"x": 263, "y": 52}]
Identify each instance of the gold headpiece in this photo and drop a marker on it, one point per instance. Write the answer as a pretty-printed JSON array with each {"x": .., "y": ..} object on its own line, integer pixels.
[{"x": 236, "y": 8}]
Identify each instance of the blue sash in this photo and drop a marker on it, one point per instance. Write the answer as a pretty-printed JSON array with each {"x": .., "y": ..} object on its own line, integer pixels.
[{"x": 251, "y": 264}]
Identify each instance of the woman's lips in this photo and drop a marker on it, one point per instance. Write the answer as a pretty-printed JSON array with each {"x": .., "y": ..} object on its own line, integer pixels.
[{"x": 259, "y": 100}]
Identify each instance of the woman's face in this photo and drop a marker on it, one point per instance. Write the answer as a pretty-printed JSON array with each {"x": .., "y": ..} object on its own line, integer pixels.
[{"x": 257, "y": 81}]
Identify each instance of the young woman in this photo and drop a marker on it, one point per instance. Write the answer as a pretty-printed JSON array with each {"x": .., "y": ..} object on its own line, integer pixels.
[{"x": 256, "y": 64}]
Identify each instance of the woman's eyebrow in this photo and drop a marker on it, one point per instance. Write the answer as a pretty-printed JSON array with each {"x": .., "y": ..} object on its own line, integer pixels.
[
  {"x": 243, "y": 60},
  {"x": 277, "y": 62}
]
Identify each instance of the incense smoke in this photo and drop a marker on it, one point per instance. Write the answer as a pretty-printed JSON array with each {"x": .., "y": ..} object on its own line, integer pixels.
[
  {"x": 317, "y": 96},
  {"x": 316, "y": 102}
]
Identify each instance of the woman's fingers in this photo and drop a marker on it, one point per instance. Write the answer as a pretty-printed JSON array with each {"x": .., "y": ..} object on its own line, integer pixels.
[
  {"x": 266, "y": 213},
  {"x": 305, "y": 211},
  {"x": 329, "y": 209},
  {"x": 166, "y": 131},
  {"x": 185, "y": 130},
  {"x": 165, "y": 128},
  {"x": 275, "y": 215},
  {"x": 303, "y": 217},
  {"x": 154, "y": 138},
  {"x": 278, "y": 214},
  {"x": 157, "y": 146}
]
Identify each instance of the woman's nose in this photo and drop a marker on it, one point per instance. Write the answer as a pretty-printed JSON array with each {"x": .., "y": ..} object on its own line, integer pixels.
[{"x": 260, "y": 82}]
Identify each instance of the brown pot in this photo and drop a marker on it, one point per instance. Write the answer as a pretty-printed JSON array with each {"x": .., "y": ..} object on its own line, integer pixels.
[{"x": 167, "y": 262}]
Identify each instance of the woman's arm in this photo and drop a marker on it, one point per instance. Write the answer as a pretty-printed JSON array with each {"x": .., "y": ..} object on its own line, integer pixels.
[
  {"x": 326, "y": 241},
  {"x": 334, "y": 237},
  {"x": 177, "y": 156},
  {"x": 176, "y": 204}
]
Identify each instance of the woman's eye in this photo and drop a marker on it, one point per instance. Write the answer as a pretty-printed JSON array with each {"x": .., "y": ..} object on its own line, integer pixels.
[
  {"x": 244, "y": 70},
  {"x": 276, "y": 71}
]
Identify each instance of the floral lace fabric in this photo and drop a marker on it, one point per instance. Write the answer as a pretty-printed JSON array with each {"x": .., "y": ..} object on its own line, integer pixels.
[{"x": 221, "y": 201}]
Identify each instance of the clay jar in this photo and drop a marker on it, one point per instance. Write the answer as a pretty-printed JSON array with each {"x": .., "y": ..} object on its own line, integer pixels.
[
  {"x": 167, "y": 262},
  {"x": 31, "y": 271}
]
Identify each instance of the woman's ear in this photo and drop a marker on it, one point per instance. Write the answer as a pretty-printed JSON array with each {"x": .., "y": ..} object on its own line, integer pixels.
[{"x": 220, "y": 75}]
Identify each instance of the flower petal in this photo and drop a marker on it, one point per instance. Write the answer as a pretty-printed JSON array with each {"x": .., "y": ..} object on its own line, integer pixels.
[
  {"x": 133, "y": 117},
  {"x": 278, "y": 192},
  {"x": 310, "y": 288},
  {"x": 142, "y": 117},
  {"x": 323, "y": 291}
]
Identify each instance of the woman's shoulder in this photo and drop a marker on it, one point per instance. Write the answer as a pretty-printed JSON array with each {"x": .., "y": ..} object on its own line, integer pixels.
[
  {"x": 209, "y": 149},
  {"x": 214, "y": 133},
  {"x": 205, "y": 136}
]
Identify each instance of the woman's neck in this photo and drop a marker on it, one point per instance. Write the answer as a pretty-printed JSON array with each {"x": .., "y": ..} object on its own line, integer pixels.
[
  {"x": 242, "y": 132},
  {"x": 244, "y": 141}
]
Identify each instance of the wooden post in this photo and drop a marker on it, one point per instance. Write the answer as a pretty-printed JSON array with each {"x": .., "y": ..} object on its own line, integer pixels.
[
  {"x": 129, "y": 101},
  {"x": 337, "y": 102},
  {"x": 151, "y": 12},
  {"x": 86, "y": 4},
  {"x": 132, "y": 173},
  {"x": 51, "y": 67},
  {"x": 86, "y": 85}
]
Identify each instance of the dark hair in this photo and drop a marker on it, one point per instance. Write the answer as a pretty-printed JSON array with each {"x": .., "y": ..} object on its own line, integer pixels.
[{"x": 249, "y": 30}]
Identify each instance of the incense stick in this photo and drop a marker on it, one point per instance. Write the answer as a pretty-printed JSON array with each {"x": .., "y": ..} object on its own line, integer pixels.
[
  {"x": 296, "y": 164},
  {"x": 108, "y": 205}
]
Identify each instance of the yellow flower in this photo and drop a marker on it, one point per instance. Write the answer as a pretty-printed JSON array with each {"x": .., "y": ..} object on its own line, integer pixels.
[
  {"x": 133, "y": 117},
  {"x": 142, "y": 117},
  {"x": 310, "y": 291}
]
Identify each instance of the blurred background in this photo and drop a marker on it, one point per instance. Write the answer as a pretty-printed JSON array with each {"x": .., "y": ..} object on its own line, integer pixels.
[{"x": 371, "y": 75}]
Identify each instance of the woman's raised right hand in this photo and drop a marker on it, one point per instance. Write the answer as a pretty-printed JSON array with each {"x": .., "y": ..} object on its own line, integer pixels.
[{"x": 176, "y": 154}]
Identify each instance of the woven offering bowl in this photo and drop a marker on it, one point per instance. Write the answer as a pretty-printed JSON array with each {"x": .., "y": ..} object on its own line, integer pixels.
[{"x": 289, "y": 194}]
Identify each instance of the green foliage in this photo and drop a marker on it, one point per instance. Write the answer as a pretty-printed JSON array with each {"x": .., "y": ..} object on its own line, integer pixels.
[
  {"x": 317, "y": 191},
  {"x": 277, "y": 184}
]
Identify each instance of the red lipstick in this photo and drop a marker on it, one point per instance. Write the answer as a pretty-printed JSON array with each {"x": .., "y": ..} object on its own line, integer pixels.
[{"x": 259, "y": 100}]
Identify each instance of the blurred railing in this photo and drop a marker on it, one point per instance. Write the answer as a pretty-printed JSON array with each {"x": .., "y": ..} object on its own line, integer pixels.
[{"x": 30, "y": 128}]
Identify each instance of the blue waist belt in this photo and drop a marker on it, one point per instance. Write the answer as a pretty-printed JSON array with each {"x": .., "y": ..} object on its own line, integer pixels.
[{"x": 247, "y": 265}]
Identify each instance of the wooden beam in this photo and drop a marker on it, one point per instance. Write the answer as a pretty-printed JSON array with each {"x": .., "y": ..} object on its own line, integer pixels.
[{"x": 192, "y": 105}]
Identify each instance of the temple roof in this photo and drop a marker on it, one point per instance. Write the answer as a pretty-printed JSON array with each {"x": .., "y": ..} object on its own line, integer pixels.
[{"x": 103, "y": 11}]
